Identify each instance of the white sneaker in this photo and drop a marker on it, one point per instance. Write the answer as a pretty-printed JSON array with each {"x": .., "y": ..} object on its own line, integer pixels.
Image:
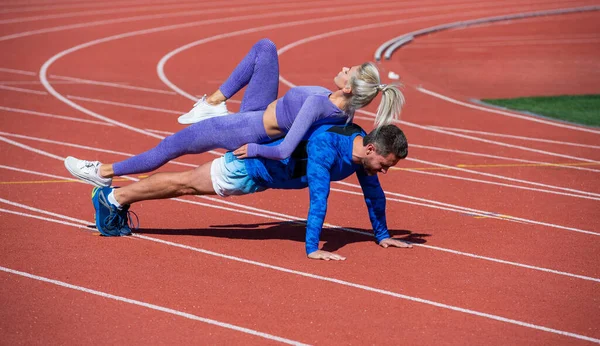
[
  {"x": 202, "y": 110},
  {"x": 87, "y": 171}
]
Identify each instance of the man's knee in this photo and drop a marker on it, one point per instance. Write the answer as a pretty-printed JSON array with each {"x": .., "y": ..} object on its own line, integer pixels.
[{"x": 198, "y": 180}]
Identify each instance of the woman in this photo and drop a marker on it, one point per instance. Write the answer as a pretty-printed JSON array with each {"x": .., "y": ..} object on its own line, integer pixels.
[{"x": 262, "y": 116}]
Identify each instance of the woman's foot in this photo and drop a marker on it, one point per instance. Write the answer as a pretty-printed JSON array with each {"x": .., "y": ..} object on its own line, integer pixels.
[
  {"x": 203, "y": 110},
  {"x": 87, "y": 171}
]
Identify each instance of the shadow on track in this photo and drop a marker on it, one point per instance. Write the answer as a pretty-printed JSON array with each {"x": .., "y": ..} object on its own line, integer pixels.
[{"x": 334, "y": 239}]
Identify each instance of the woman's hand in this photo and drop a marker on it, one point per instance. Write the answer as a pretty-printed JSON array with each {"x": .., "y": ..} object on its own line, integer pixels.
[{"x": 241, "y": 152}]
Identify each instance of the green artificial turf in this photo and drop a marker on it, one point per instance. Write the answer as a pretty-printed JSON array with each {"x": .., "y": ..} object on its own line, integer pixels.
[{"x": 580, "y": 109}]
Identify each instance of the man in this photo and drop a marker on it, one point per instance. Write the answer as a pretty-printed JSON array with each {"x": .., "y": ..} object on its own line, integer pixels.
[{"x": 331, "y": 153}]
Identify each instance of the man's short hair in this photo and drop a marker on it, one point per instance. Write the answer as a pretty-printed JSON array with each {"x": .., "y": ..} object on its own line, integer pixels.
[{"x": 388, "y": 139}]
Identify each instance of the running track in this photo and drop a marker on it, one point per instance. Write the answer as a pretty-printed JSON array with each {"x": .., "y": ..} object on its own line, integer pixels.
[{"x": 502, "y": 208}]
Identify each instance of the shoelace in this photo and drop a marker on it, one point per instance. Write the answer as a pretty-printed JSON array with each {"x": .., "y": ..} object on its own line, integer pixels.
[
  {"x": 90, "y": 165},
  {"x": 127, "y": 220},
  {"x": 202, "y": 100},
  {"x": 113, "y": 221}
]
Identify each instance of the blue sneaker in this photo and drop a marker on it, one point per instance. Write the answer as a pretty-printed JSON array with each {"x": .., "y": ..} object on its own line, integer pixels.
[{"x": 110, "y": 221}]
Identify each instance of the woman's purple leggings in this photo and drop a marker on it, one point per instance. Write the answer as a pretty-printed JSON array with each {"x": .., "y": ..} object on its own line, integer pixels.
[{"x": 259, "y": 70}]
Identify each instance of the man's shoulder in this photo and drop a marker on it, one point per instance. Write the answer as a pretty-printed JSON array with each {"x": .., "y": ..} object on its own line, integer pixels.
[{"x": 347, "y": 130}]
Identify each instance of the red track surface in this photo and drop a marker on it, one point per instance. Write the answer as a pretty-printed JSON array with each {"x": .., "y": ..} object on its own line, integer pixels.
[{"x": 536, "y": 279}]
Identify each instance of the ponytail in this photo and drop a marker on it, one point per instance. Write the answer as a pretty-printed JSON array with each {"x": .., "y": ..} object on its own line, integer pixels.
[
  {"x": 392, "y": 101},
  {"x": 365, "y": 85}
]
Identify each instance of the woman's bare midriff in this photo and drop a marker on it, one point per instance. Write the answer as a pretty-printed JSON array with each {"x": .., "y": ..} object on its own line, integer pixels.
[{"x": 270, "y": 121}]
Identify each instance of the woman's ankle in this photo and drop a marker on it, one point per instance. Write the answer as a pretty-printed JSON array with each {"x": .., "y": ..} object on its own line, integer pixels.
[
  {"x": 216, "y": 98},
  {"x": 106, "y": 171}
]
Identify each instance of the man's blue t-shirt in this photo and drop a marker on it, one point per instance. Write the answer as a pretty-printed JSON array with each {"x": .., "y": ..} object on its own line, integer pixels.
[{"x": 326, "y": 156}]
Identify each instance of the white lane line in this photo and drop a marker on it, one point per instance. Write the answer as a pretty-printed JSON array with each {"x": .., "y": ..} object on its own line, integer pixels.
[
  {"x": 89, "y": 81},
  {"x": 514, "y": 179},
  {"x": 26, "y": 111},
  {"x": 372, "y": 289},
  {"x": 113, "y": 103},
  {"x": 114, "y": 85},
  {"x": 152, "y": 306},
  {"x": 493, "y": 134},
  {"x": 80, "y": 223},
  {"x": 35, "y": 82},
  {"x": 26, "y": 147},
  {"x": 15, "y": 71},
  {"x": 29, "y": 91},
  {"x": 43, "y": 140},
  {"x": 37, "y": 139},
  {"x": 506, "y": 158},
  {"x": 512, "y": 115},
  {"x": 22, "y": 170}
]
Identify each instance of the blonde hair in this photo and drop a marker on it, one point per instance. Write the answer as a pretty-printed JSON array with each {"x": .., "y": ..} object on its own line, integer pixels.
[{"x": 365, "y": 85}]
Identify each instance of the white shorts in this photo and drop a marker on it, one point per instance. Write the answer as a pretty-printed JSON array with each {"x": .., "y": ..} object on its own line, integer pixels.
[{"x": 230, "y": 178}]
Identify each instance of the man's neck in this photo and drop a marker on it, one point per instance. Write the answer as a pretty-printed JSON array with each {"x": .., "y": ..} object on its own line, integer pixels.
[{"x": 358, "y": 149}]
